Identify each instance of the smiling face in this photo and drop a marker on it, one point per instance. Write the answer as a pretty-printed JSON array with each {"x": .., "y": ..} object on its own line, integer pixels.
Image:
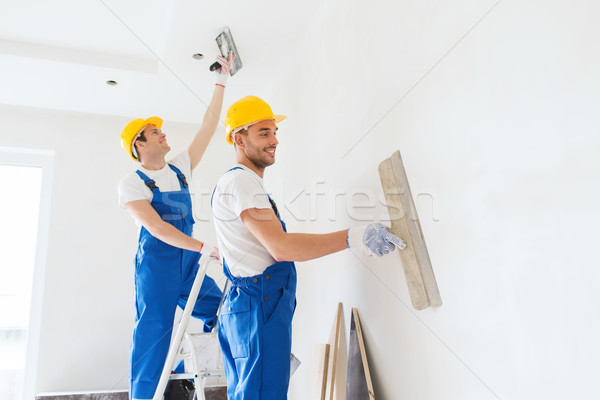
[
  {"x": 259, "y": 143},
  {"x": 155, "y": 143}
]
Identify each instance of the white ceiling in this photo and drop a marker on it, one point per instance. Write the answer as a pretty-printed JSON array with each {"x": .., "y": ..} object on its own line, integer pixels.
[{"x": 59, "y": 54}]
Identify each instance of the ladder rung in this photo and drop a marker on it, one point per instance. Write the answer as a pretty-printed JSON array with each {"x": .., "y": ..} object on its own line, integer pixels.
[{"x": 203, "y": 374}]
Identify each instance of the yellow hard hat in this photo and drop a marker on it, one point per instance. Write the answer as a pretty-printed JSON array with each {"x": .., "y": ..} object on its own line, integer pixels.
[
  {"x": 246, "y": 112},
  {"x": 131, "y": 131}
]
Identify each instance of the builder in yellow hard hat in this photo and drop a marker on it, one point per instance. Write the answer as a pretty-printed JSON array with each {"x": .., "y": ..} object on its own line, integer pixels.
[
  {"x": 157, "y": 196},
  {"x": 258, "y": 257}
]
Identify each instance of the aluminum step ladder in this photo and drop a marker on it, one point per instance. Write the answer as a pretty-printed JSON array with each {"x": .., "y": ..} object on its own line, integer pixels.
[{"x": 201, "y": 352}]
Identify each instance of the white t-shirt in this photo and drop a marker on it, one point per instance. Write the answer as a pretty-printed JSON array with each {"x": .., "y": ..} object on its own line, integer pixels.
[
  {"x": 236, "y": 191},
  {"x": 132, "y": 187}
]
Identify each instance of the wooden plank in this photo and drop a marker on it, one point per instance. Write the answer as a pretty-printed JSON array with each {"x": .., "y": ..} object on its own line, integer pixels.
[
  {"x": 416, "y": 263},
  {"x": 334, "y": 342},
  {"x": 319, "y": 378},
  {"x": 363, "y": 353}
]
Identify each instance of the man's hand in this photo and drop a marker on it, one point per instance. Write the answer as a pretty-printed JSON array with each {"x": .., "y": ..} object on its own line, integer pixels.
[
  {"x": 223, "y": 72},
  {"x": 374, "y": 239},
  {"x": 215, "y": 254},
  {"x": 212, "y": 251}
]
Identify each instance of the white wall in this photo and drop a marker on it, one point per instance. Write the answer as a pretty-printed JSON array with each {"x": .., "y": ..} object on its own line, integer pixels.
[
  {"x": 503, "y": 133},
  {"x": 499, "y": 126},
  {"x": 88, "y": 308}
]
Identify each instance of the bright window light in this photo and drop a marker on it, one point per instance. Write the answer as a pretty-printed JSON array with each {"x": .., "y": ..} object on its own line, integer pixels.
[{"x": 19, "y": 212}]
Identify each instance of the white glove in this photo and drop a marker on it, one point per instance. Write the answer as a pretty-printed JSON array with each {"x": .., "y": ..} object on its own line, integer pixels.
[
  {"x": 223, "y": 72},
  {"x": 374, "y": 239}
]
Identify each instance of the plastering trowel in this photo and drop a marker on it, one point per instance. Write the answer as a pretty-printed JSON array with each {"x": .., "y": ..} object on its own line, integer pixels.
[
  {"x": 418, "y": 271},
  {"x": 227, "y": 45}
]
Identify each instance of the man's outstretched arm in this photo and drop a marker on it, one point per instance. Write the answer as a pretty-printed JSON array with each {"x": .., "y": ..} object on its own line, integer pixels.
[
  {"x": 208, "y": 128},
  {"x": 372, "y": 239},
  {"x": 284, "y": 246},
  {"x": 211, "y": 117}
]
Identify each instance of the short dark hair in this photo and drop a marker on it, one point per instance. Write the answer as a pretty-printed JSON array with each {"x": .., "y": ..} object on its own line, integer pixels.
[{"x": 141, "y": 138}]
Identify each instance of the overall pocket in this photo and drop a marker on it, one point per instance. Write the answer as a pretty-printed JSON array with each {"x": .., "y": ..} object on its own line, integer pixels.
[
  {"x": 235, "y": 323},
  {"x": 278, "y": 305}
]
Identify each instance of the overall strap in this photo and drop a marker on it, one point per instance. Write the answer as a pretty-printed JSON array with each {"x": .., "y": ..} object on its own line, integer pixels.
[
  {"x": 182, "y": 181},
  {"x": 149, "y": 182},
  {"x": 274, "y": 207}
]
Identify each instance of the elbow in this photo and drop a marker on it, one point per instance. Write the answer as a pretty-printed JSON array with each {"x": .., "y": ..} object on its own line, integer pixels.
[
  {"x": 279, "y": 254},
  {"x": 156, "y": 230},
  {"x": 278, "y": 245},
  {"x": 279, "y": 257}
]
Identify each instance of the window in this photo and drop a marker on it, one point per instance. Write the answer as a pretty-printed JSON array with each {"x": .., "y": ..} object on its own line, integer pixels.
[{"x": 22, "y": 174}]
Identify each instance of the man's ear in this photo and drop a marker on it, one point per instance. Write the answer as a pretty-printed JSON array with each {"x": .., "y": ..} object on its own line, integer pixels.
[
  {"x": 138, "y": 145},
  {"x": 239, "y": 142}
]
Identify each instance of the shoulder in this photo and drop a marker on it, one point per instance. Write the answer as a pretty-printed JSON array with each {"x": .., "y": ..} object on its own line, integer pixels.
[
  {"x": 132, "y": 187},
  {"x": 183, "y": 163},
  {"x": 238, "y": 178},
  {"x": 130, "y": 180},
  {"x": 239, "y": 190}
]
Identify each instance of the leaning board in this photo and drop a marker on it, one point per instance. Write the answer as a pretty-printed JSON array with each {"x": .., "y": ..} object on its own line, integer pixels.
[
  {"x": 334, "y": 343},
  {"x": 358, "y": 380},
  {"x": 418, "y": 271},
  {"x": 319, "y": 379}
]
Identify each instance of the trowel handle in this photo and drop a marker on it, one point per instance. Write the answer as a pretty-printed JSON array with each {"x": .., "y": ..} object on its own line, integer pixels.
[{"x": 215, "y": 66}]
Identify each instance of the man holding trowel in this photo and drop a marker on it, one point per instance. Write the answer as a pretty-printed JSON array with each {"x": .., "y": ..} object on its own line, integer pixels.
[
  {"x": 166, "y": 263},
  {"x": 255, "y": 327}
]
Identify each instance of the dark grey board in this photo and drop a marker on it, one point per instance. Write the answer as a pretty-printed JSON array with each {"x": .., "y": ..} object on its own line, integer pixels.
[
  {"x": 114, "y": 395},
  {"x": 216, "y": 393},
  {"x": 356, "y": 381}
]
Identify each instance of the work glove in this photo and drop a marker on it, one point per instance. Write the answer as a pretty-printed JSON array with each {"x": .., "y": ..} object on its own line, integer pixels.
[
  {"x": 223, "y": 72},
  {"x": 212, "y": 251},
  {"x": 374, "y": 239}
]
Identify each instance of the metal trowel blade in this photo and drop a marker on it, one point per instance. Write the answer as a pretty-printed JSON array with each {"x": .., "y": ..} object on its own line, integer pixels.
[{"x": 227, "y": 45}]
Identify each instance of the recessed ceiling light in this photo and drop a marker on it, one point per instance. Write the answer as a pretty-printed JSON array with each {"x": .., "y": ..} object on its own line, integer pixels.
[
  {"x": 198, "y": 56},
  {"x": 111, "y": 83}
]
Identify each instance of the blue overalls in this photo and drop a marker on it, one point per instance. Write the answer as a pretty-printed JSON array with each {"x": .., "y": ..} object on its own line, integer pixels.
[
  {"x": 163, "y": 279},
  {"x": 255, "y": 331}
]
